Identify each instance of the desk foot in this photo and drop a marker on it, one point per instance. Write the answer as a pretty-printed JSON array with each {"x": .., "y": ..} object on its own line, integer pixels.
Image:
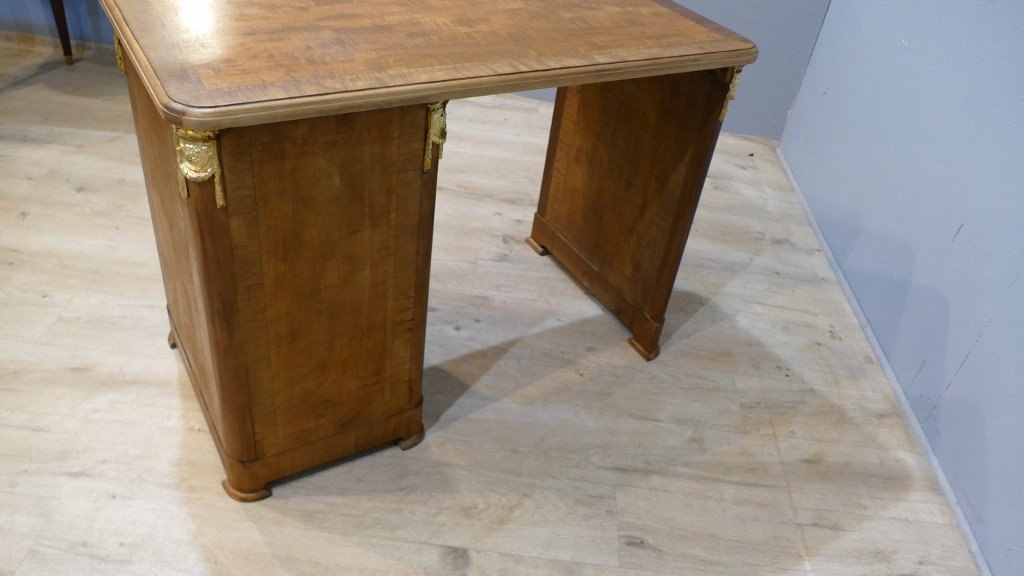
[
  {"x": 536, "y": 247},
  {"x": 411, "y": 442},
  {"x": 646, "y": 354},
  {"x": 69, "y": 60},
  {"x": 245, "y": 496},
  {"x": 171, "y": 341}
]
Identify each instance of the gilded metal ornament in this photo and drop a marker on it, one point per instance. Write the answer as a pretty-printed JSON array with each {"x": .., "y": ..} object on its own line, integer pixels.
[
  {"x": 732, "y": 93},
  {"x": 119, "y": 53},
  {"x": 437, "y": 132},
  {"x": 198, "y": 160}
]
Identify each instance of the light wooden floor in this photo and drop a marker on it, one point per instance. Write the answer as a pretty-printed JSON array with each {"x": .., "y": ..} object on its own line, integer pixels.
[{"x": 763, "y": 441}]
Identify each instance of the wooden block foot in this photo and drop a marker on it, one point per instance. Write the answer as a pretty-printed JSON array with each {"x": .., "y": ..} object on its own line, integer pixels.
[
  {"x": 645, "y": 353},
  {"x": 245, "y": 496},
  {"x": 536, "y": 247},
  {"x": 171, "y": 340},
  {"x": 411, "y": 442}
]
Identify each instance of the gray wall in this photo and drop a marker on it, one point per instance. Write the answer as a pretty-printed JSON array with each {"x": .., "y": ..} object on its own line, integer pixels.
[
  {"x": 86, "y": 20},
  {"x": 907, "y": 140},
  {"x": 785, "y": 32}
]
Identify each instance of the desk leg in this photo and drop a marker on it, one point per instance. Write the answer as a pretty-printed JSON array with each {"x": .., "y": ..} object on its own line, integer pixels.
[{"x": 625, "y": 167}]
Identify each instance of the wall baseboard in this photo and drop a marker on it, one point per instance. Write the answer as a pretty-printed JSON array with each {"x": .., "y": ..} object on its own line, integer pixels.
[{"x": 908, "y": 412}]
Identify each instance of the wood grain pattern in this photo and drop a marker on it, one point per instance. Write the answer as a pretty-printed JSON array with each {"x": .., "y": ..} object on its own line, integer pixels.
[
  {"x": 550, "y": 448},
  {"x": 300, "y": 310},
  {"x": 335, "y": 214},
  {"x": 242, "y": 62},
  {"x": 625, "y": 167}
]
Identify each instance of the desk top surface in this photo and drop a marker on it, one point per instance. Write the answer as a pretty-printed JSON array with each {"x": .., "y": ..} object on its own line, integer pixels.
[{"x": 222, "y": 63}]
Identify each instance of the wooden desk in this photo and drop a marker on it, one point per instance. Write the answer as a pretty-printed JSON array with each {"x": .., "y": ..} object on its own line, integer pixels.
[{"x": 290, "y": 151}]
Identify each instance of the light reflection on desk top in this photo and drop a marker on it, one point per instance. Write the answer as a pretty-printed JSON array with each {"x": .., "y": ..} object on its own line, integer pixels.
[{"x": 220, "y": 63}]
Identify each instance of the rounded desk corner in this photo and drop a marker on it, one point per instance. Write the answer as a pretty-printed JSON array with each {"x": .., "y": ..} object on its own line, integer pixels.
[
  {"x": 176, "y": 113},
  {"x": 752, "y": 53}
]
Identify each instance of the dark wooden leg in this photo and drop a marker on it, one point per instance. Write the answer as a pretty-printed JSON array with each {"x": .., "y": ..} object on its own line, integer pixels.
[
  {"x": 62, "y": 28},
  {"x": 625, "y": 167}
]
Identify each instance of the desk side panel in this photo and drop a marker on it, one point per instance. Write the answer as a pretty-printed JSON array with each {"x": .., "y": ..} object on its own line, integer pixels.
[
  {"x": 626, "y": 164},
  {"x": 331, "y": 227},
  {"x": 195, "y": 272}
]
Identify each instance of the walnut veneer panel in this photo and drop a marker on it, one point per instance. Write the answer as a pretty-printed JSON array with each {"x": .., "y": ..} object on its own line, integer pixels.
[
  {"x": 300, "y": 308},
  {"x": 239, "y": 62},
  {"x": 625, "y": 167},
  {"x": 326, "y": 216}
]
